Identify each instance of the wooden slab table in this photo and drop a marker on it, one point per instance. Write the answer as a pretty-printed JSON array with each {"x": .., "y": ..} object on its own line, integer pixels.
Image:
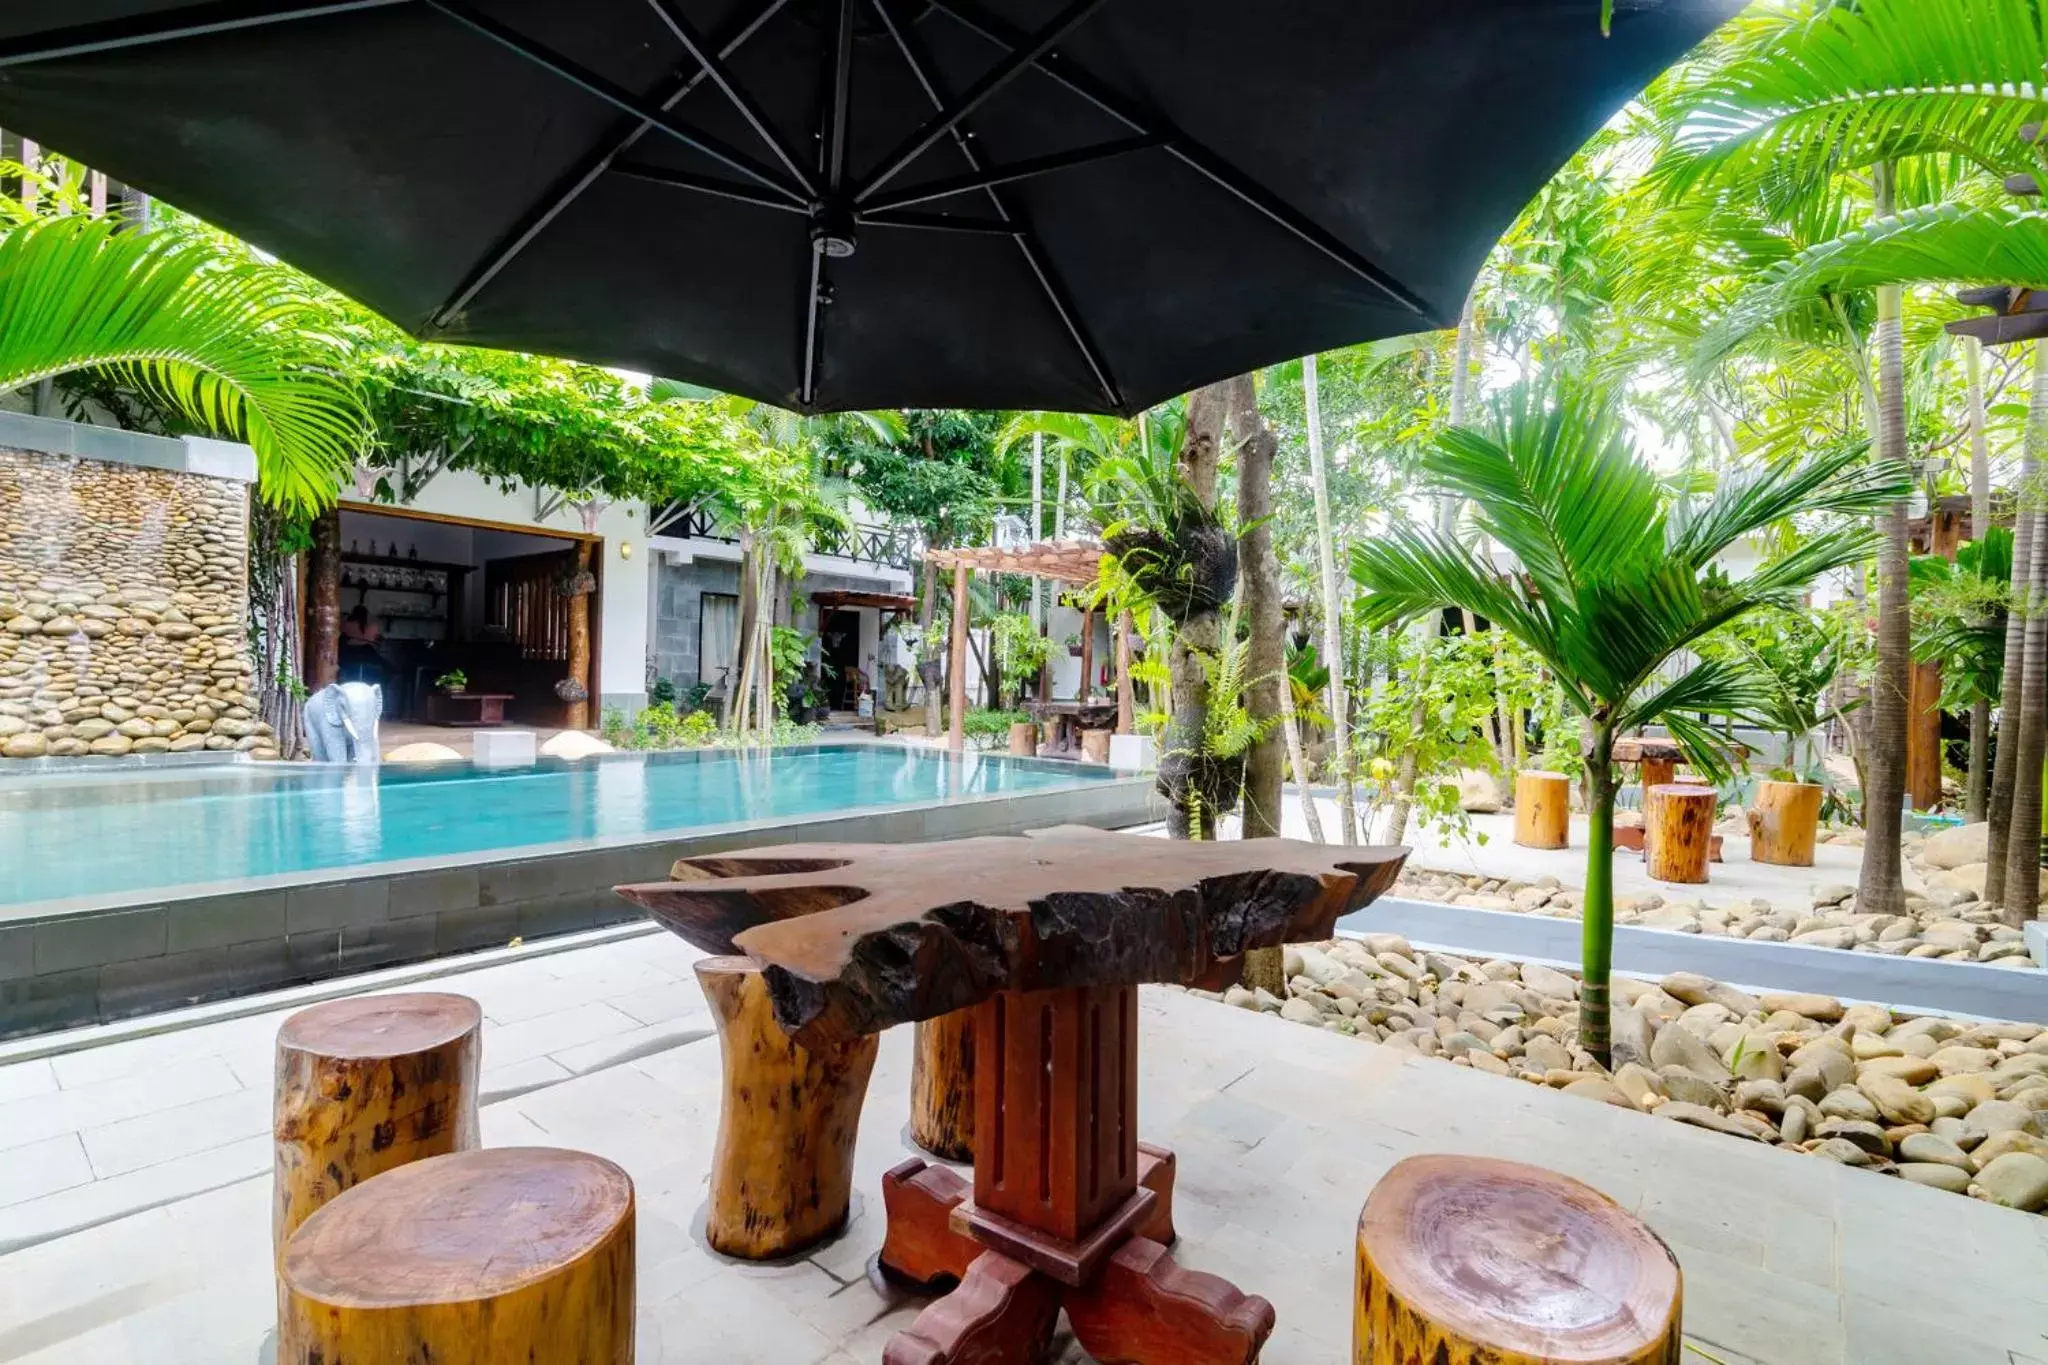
[
  {"x": 1046, "y": 939},
  {"x": 467, "y": 708},
  {"x": 1067, "y": 719}
]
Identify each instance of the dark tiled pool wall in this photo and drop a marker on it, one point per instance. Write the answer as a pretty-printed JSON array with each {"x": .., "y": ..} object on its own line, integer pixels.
[{"x": 66, "y": 970}]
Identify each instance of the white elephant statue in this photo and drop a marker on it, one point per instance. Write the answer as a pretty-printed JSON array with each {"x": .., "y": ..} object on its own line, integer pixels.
[{"x": 341, "y": 723}]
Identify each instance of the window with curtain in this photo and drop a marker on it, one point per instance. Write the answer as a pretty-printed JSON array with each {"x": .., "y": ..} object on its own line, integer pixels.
[{"x": 718, "y": 628}]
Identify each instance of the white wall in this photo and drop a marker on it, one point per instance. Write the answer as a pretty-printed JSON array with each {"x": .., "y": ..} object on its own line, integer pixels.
[{"x": 622, "y": 661}]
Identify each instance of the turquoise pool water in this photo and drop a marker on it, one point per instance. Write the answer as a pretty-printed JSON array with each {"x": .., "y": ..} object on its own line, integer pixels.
[{"x": 68, "y": 837}]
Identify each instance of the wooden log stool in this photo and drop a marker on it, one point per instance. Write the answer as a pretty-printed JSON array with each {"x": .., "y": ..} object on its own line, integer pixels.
[
  {"x": 782, "y": 1172},
  {"x": 366, "y": 1085},
  {"x": 1784, "y": 823},
  {"x": 478, "y": 1258},
  {"x": 1468, "y": 1259},
  {"x": 1543, "y": 809},
  {"x": 1024, "y": 739},
  {"x": 1095, "y": 746},
  {"x": 942, "y": 1086},
  {"x": 1679, "y": 822}
]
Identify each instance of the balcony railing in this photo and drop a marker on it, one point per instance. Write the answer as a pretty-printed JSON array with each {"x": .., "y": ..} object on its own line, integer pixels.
[{"x": 895, "y": 547}]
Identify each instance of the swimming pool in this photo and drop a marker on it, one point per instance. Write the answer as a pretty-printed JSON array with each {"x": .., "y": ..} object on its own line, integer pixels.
[{"x": 65, "y": 838}]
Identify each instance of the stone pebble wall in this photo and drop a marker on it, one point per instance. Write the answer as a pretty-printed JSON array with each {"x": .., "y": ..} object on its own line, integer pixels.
[{"x": 123, "y": 611}]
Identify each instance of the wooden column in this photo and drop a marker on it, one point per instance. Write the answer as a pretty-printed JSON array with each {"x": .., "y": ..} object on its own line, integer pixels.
[
  {"x": 942, "y": 1086},
  {"x": 577, "y": 716},
  {"x": 1463, "y": 1260},
  {"x": 1543, "y": 809},
  {"x": 517, "y": 1254},
  {"x": 782, "y": 1172},
  {"x": 365, "y": 1085},
  {"x": 1126, "y": 694},
  {"x": 1087, "y": 654},
  {"x": 956, "y": 664},
  {"x": 1678, "y": 831},
  {"x": 1923, "y": 700}
]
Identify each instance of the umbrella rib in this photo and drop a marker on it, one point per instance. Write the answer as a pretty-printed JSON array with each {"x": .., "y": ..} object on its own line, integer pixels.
[
  {"x": 570, "y": 187},
  {"x": 1194, "y": 155},
  {"x": 704, "y": 184},
  {"x": 939, "y": 222},
  {"x": 1026, "y": 53},
  {"x": 1027, "y": 243},
  {"x": 191, "y": 21},
  {"x": 1021, "y": 170},
  {"x": 686, "y": 34},
  {"x": 617, "y": 96}
]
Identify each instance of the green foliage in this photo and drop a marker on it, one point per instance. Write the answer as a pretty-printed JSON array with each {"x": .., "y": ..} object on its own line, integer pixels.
[
  {"x": 1799, "y": 661},
  {"x": 1020, "y": 649},
  {"x": 1434, "y": 708},
  {"x": 789, "y": 652},
  {"x": 1960, "y": 612},
  {"x": 454, "y": 680},
  {"x": 662, "y": 726},
  {"x": 231, "y": 344},
  {"x": 987, "y": 727},
  {"x": 936, "y": 468}
]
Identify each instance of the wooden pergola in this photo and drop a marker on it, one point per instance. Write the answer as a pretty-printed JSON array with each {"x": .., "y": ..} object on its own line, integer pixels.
[{"x": 1063, "y": 561}]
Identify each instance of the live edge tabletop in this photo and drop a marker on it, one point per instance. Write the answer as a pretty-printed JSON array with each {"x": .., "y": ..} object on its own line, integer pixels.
[{"x": 855, "y": 938}]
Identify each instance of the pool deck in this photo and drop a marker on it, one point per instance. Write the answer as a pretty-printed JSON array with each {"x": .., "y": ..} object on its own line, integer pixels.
[{"x": 155, "y": 1151}]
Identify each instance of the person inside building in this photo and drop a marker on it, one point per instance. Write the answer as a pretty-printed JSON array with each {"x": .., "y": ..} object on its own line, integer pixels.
[{"x": 361, "y": 661}]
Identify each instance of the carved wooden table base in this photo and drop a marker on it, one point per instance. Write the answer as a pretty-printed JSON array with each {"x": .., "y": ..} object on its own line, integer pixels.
[{"x": 1067, "y": 1209}]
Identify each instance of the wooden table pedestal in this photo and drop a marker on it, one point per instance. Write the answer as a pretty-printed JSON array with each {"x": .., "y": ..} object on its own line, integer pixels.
[{"x": 1067, "y": 1210}]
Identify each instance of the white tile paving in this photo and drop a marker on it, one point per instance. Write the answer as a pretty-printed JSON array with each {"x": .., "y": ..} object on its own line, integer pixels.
[{"x": 160, "y": 1155}]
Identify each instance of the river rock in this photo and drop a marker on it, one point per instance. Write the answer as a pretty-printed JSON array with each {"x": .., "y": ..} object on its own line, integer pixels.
[
  {"x": 1676, "y": 1045},
  {"x": 1935, "y": 1176},
  {"x": 1825, "y": 1008},
  {"x": 1951, "y": 848},
  {"x": 2015, "y": 1180},
  {"x": 1930, "y": 1147}
]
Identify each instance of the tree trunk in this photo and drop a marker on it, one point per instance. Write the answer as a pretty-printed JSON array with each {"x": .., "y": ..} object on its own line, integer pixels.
[
  {"x": 1126, "y": 695},
  {"x": 956, "y": 664},
  {"x": 577, "y": 716},
  {"x": 1881, "y": 888},
  {"x": 2023, "y": 845},
  {"x": 737, "y": 682},
  {"x": 1291, "y": 728},
  {"x": 1187, "y": 774},
  {"x": 1596, "y": 947},
  {"x": 1979, "y": 785},
  {"x": 2004, "y": 765},
  {"x": 1333, "y": 611},
  {"x": 1258, "y": 577},
  {"x": 934, "y": 709},
  {"x": 323, "y": 600}
]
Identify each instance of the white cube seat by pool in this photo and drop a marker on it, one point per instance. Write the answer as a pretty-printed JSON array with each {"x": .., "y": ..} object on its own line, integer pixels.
[
  {"x": 504, "y": 748},
  {"x": 1133, "y": 752}
]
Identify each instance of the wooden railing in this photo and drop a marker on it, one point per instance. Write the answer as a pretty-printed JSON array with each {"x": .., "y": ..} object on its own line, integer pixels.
[{"x": 522, "y": 597}]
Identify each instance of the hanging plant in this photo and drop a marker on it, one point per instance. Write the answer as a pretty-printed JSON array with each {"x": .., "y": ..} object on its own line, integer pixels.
[
  {"x": 575, "y": 583},
  {"x": 569, "y": 690}
]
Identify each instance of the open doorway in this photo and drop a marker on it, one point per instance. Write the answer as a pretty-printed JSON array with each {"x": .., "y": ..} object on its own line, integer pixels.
[
  {"x": 839, "y": 646},
  {"x": 426, "y": 597}
]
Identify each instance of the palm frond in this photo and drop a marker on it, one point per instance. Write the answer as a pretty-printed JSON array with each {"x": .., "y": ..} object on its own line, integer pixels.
[
  {"x": 1840, "y": 481},
  {"x": 236, "y": 346}
]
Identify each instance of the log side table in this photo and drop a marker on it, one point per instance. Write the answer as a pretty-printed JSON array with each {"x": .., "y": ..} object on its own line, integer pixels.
[{"x": 1046, "y": 938}]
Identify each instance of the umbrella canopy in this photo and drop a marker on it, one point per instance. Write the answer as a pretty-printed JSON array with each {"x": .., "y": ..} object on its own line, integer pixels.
[{"x": 1081, "y": 205}]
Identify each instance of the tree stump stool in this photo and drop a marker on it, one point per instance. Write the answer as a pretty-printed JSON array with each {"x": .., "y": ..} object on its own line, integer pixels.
[
  {"x": 1095, "y": 746},
  {"x": 477, "y": 1258},
  {"x": 782, "y": 1172},
  {"x": 1543, "y": 810},
  {"x": 1024, "y": 739},
  {"x": 1784, "y": 822},
  {"x": 942, "y": 1086},
  {"x": 1678, "y": 819},
  {"x": 1468, "y": 1259},
  {"x": 366, "y": 1085}
]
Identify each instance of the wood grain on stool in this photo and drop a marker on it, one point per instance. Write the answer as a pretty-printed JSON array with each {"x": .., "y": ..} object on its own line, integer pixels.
[
  {"x": 478, "y": 1258},
  {"x": 1464, "y": 1260},
  {"x": 942, "y": 1086},
  {"x": 1784, "y": 822},
  {"x": 366, "y": 1085},
  {"x": 782, "y": 1172},
  {"x": 1543, "y": 809},
  {"x": 1679, "y": 831}
]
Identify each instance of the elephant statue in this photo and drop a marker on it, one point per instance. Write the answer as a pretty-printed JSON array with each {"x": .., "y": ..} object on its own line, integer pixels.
[{"x": 341, "y": 723}]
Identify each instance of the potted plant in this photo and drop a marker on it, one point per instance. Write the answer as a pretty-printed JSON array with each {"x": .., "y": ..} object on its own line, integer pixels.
[
  {"x": 1800, "y": 662},
  {"x": 1073, "y": 643},
  {"x": 453, "y": 681}
]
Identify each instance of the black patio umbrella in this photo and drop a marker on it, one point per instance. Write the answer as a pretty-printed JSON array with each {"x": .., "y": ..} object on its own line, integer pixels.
[{"x": 1084, "y": 205}]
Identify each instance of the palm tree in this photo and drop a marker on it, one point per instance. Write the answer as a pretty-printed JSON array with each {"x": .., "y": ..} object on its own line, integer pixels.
[
  {"x": 1616, "y": 583},
  {"x": 232, "y": 345},
  {"x": 1820, "y": 104}
]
